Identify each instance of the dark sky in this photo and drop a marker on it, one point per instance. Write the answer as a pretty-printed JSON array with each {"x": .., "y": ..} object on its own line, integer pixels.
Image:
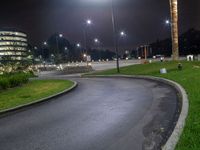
[{"x": 143, "y": 20}]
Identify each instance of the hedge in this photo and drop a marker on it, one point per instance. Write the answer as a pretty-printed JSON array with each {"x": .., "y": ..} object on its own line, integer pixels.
[{"x": 13, "y": 80}]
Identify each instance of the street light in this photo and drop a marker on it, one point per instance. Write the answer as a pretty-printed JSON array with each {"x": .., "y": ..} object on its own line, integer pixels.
[
  {"x": 57, "y": 41},
  {"x": 60, "y": 35},
  {"x": 96, "y": 40},
  {"x": 122, "y": 34},
  {"x": 45, "y": 46},
  {"x": 115, "y": 37},
  {"x": 45, "y": 43},
  {"x": 88, "y": 22},
  {"x": 78, "y": 45},
  {"x": 167, "y": 22}
]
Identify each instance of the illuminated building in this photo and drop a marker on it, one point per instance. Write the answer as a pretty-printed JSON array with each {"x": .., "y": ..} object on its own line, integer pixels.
[{"x": 13, "y": 45}]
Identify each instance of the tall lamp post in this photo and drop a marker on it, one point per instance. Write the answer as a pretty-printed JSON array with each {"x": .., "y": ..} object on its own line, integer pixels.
[
  {"x": 57, "y": 40},
  {"x": 115, "y": 36},
  {"x": 97, "y": 43},
  {"x": 174, "y": 29},
  {"x": 88, "y": 23},
  {"x": 122, "y": 35},
  {"x": 45, "y": 46}
]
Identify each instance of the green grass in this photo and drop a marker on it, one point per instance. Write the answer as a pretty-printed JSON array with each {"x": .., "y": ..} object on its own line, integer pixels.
[
  {"x": 30, "y": 92},
  {"x": 189, "y": 78}
]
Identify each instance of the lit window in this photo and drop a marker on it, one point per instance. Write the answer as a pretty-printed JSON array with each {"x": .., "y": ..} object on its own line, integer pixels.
[
  {"x": 12, "y": 48},
  {"x": 12, "y": 33},
  {"x": 8, "y": 38}
]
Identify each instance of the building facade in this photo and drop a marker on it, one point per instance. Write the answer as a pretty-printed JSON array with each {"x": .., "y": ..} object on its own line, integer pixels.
[{"x": 13, "y": 45}]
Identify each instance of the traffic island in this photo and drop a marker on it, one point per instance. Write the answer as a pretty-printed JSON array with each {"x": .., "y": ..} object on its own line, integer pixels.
[{"x": 34, "y": 92}]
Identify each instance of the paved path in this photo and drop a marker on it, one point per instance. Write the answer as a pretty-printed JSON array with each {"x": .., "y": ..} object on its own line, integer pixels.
[{"x": 101, "y": 114}]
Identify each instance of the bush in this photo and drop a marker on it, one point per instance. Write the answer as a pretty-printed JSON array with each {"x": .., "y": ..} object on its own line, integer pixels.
[
  {"x": 17, "y": 80},
  {"x": 4, "y": 84},
  {"x": 13, "y": 80}
]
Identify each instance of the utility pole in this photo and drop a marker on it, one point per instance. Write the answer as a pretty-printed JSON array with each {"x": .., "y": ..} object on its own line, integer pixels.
[{"x": 115, "y": 36}]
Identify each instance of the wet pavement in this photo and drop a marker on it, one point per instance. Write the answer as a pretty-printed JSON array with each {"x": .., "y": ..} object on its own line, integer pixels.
[{"x": 100, "y": 114}]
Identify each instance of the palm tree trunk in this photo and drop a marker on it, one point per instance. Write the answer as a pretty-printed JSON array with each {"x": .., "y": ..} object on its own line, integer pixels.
[{"x": 174, "y": 29}]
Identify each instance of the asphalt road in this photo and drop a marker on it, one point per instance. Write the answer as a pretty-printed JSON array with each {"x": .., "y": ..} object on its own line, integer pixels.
[{"x": 101, "y": 114}]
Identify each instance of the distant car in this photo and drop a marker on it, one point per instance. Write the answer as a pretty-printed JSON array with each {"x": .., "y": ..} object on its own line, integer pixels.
[{"x": 160, "y": 56}]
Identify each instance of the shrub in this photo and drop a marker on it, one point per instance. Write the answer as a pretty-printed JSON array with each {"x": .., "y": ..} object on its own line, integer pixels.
[
  {"x": 4, "y": 83},
  {"x": 13, "y": 80},
  {"x": 16, "y": 80}
]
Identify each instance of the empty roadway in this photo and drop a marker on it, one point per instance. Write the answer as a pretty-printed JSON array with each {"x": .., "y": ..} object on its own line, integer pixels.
[{"x": 100, "y": 114}]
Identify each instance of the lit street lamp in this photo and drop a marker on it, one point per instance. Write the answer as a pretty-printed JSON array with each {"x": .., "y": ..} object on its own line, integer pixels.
[
  {"x": 78, "y": 45},
  {"x": 45, "y": 43},
  {"x": 45, "y": 46},
  {"x": 98, "y": 46},
  {"x": 167, "y": 22},
  {"x": 96, "y": 40},
  {"x": 122, "y": 34},
  {"x": 60, "y": 35},
  {"x": 88, "y": 23},
  {"x": 57, "y": 41}
]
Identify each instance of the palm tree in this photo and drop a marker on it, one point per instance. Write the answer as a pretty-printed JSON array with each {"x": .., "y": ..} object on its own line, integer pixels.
[{"x": 174, "y": 28}]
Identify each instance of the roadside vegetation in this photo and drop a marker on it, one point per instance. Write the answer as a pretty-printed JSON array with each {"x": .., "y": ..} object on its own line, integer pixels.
[
  {"x": 11, "y": 80},
  {"x": 189, "y": 78},
  {"x": 31, "y": 91}
]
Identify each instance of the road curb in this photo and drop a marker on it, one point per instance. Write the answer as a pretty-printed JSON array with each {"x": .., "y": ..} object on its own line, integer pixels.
[
  {"x": 21, "y": 107},
  {"x": 175, "y": 136}
]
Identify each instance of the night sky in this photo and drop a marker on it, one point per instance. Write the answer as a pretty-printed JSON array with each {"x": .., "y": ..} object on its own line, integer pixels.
[{"x": 142, "y": 20}]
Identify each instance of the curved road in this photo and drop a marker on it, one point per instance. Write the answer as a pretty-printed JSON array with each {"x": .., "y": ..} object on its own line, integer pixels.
[{"x": 101, "y": 114}]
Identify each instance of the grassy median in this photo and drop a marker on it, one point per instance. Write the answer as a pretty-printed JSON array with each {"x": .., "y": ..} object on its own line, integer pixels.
[
  {"x": 189, "y": 78},
  {"x": 30, "y": 92}
]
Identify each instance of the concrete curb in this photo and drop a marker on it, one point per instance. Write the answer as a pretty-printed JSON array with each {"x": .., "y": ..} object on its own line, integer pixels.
[
  {"x": 20, "y": 107},
  {"x": 175, "y": 136}
]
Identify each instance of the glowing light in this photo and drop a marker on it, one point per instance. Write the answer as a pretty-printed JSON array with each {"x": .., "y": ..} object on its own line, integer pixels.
[
  {"x": 167, "y": 22},
  {"x": 78, "y": 45},
  {"x": 96, "y": 40},
  {"x": 60, "y": 35},
  {"x": 89, "y": 22},
  {"x": 122, "y": 34}
]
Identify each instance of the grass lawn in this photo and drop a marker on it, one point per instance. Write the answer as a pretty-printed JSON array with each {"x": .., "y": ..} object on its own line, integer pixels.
[
  {"x": 189, "y": 78},
  {"x": 32, "y": 91}
]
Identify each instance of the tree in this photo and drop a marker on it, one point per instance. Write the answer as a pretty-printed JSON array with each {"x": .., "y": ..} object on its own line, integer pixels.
[{"x": 174, "y": 28}]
